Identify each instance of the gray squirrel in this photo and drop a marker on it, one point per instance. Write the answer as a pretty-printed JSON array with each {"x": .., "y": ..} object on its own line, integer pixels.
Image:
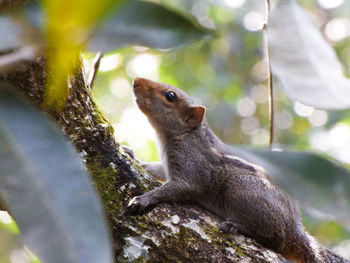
[{"x": 196, "y": 166}]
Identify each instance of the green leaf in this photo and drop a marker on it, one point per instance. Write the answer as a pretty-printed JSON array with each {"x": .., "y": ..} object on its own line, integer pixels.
[
  {"x": 319, "y": 185},
  {"x": 130, "y": 23},
  {"x": 304, "y": 61},
  {"x": 9, "y": 242},
  {"x": 47, "y": 189},
  {"x": 147, "y": 24}
]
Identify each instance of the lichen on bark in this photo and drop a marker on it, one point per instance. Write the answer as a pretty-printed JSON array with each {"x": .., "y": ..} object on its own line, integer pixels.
[{"x": 169, "y": 232}]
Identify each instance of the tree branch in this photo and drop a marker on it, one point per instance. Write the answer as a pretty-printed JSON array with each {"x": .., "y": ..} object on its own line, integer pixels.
[
  {"x": 269, "y": 76},
  {"x": 11, "y": 60},
  {"x": 168, "y": 233},
  {"x": 94, "y": 69}
]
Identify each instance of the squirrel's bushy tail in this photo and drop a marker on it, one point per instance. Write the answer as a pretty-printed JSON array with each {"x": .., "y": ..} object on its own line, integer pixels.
[
  {"x": 330, "y": 257},
  {"x": 307, "y": 250}
]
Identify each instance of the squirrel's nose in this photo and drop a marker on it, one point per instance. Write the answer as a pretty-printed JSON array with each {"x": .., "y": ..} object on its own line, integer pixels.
[{"x": 138, "y": 82}]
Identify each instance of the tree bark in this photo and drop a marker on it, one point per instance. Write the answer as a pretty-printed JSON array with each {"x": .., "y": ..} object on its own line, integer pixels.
[
  {"x": 8, "y": 4},
  {"x": 169, "y": 232}
]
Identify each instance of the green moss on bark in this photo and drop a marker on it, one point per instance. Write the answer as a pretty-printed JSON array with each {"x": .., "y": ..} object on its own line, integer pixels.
[{"x": 117, "y": 178}]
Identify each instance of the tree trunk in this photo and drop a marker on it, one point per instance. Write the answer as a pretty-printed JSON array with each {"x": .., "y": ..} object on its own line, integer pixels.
[{"x": 169, "y": 232}]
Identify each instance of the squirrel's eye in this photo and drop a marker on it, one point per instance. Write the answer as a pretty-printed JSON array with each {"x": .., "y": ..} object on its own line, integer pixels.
[{"x": 170, "y": 96}]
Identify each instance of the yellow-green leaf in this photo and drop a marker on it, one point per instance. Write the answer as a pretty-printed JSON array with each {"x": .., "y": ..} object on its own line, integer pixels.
[{"x": 67, "y": 28}]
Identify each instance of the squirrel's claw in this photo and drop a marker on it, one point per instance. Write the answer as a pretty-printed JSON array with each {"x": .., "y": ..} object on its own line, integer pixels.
[
  {"x": 228, "y": 227},
  {"x": 138, "y": 204},
  {"x": 129, "y": 151}
]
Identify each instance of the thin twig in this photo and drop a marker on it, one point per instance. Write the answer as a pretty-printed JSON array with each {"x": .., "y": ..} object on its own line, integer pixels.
[
  {"x": 269, "y": 76},
  {"x": 11, "y": 60},
  {"x": 94, "y": 70}
]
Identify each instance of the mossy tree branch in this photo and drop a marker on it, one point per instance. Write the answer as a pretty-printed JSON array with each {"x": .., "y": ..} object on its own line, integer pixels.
[{"x": 168, "y": 233}]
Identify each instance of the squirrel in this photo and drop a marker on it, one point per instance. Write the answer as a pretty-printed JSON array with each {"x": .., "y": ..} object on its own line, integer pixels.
[{"x": 196, "y": 166}]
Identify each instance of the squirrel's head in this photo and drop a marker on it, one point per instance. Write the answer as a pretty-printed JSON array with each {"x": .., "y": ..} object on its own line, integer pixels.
[{"x": 168, "y": 109}]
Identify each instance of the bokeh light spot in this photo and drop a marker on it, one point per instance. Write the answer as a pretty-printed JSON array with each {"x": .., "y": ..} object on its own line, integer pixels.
[
  {"x": 5, "y": 217},
  {"x": 246, "y": 107},
  {"x": 343, "y": 248},
  {"x": 200, "y": 10},
  {"x": 120, "y": 87},
  {"x": 320, "y": 141},
  {"x": 144, "y": 65},
  {"x": 234, "y": 3},
  {"x": 340, "y": 135},
  {"x": 337, "y": 29},
  {"x": 259, "y": 93},
  {"x": 328, "y": 4},
  {"x": 249, "y": 125},
  {"x": 129, "y": 127},
  {"x": 253, "y": 21},
  {"x": 110, "y": 62},
  {"x": 318, "y": 118},
  {"x": 284, "y": 120},
  {"x": 259, "y": 71},
  {"x": 302, "y": 110},
  {"x": 260, "y": 137},
  {"x": 18, "y": 256}
]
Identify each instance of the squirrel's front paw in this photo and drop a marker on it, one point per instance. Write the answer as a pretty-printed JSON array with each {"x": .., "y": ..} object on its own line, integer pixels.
[
  {"x": 228, "y": 227},
  {"x": 129, "y": 151},
  {"x": 139, "y": 204}
]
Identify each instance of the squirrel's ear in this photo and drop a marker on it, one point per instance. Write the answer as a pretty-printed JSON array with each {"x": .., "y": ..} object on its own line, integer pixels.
[{"x": 194, "y": 116}]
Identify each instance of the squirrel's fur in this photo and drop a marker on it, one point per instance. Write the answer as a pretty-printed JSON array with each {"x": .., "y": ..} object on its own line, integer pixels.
[{"x": 197, "y": 166}]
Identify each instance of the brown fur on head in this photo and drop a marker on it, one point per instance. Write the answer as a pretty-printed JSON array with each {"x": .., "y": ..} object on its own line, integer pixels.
[{"x": 168, "y": 109}]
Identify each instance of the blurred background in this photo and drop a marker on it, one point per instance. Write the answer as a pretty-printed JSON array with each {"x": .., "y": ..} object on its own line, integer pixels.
[{"x": 227, "y": 74}]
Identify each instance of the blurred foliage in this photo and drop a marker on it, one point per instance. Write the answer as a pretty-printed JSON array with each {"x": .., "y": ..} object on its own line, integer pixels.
[
  {"x": 12, "y": 250},
  {"x": 221, "y": 72},
  {"x": 59, "y": 221},
  {"x": 328, "y": 233},
  {"x": 161, "y": 28},
  {"x": 67, "y": 28}
]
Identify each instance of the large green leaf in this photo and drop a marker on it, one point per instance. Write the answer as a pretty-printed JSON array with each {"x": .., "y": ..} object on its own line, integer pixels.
[
  {"x": 47, "y": 189},
  {"x": 146, "y": 24},
  {"x": 320, "y": 186},
  {"x": 133, "y": 22},
  {"x": 304, "y": 61}
]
